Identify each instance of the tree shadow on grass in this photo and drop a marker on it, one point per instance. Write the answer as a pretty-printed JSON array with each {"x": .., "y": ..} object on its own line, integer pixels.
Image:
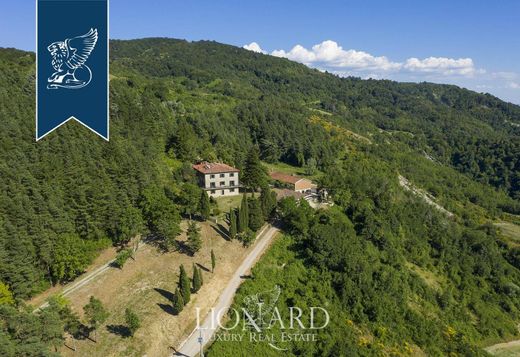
[
  {"x": 202, "y": 267},
  {"x": 120, "y": 330},
  {"x": 222, "y": 231},
  {"x": 167, "y": 308},
  {"x": 165, "y": 293}
]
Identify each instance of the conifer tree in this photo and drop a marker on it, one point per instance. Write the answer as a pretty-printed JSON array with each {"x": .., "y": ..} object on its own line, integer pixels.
[
  {"x": 196, "y": 279},
  {"x": 254, "y": 174},
  {"x": 232, "y": 223},
  {"x": 243, "y": 215},
  {"x": 178, "y": 302},
  {"x": 267, "y": 201},
  {"x": 95, "y": 313},
  {"x": 256, "y": 218},
  {"x": 194, "y": 242},
  {"x": 204, "y": 205},
  {"x": 214, "y": 260},
  {"x": 132, "y": 321},
  {"x": 184, "y": 285}
]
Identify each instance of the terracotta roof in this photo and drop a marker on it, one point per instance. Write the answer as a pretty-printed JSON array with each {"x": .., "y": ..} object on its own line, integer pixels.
[
  {"x": 278, "y": 176},
  {"x": 214, "y": 168}
]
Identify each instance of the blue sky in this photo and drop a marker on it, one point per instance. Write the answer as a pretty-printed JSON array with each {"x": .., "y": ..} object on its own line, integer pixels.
[{"x": 474, "y": 44}]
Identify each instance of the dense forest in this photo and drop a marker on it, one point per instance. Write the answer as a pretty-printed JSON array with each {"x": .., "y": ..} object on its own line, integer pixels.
[
  {"x": 174, "y": 102},
  {"x": 396, "y": 277}
]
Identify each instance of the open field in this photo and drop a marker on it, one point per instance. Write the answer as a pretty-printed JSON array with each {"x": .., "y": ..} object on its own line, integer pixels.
[
  {"x": 510, "y": 231},
  {"x": 507, "y": 349},
  {"x": 227, "y": 202},
  {"x": 146, "y": 285},
  {"x": 290, "y": 170}
]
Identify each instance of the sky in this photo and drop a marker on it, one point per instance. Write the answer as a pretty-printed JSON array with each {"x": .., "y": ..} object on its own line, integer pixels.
[{"x": 474, "y": 44}]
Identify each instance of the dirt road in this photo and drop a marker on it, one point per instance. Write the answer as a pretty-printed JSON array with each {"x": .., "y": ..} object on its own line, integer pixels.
[{"x": 191, "y": 346}]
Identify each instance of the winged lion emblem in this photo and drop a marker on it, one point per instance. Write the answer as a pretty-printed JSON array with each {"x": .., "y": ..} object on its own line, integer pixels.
[{"x": 68, "y": 60}]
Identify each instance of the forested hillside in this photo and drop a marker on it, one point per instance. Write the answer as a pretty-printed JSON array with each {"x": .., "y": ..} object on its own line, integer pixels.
[{"x": 174, "y": 102}]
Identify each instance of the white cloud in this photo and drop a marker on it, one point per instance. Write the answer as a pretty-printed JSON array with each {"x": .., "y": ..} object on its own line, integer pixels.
[
  {"x": 441, "y": 65},
  {"x": 255, "y": 47},
  {"x": 329, "y": 55},
  {"x": 514, "y": 85}
]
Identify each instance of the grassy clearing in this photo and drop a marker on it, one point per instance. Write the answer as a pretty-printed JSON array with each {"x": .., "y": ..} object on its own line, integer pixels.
[
  {"x": 291, "y": 170},
  {"x": 510, "y": 231},
  {"x": 509, "y": 349},
  {"x": 431, "y": 279},
  {"x": 146, "y": 285},
  {"x": 226, "y": 203}
]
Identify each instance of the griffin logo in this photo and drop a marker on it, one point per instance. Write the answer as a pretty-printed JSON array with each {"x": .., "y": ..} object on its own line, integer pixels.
[{"x": 68, "y": 60}]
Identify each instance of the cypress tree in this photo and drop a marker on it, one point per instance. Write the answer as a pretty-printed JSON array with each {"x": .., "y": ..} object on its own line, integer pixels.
[
  {"x": 267, "y": 201},
  {"x": 256, "y": 218},
  {"x": 243, "y": 215},
  {"x": 194, "y": 242},
  {"x": 213, "y": 259},
  {"x": 184, "y": 285},
  {"x": 200, "y": 277},
  {"x": 178, "y": 302},
  {"x": 132, "y": 321},
  {"x": 196, "y": 279},
  {"x": 254, "y": 173},
  {"x": 232, "y": 223},
  {"x": 204, "y": 205}
]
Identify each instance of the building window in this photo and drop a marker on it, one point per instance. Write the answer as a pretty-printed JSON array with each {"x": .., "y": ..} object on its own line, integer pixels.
[
  {"x": 232, "y": 174},
  {"x": 231, "y": 183},
  {"x": 231, "y": 190},
  {"x": 211, "y": 176},
  {"x": 212, "y": 184},
  {"x": 222, "y": 175},
  {"x": 222, "y": 183},
  {"x": 223, "y": 192},
  {"x": 212, "y": 192}
]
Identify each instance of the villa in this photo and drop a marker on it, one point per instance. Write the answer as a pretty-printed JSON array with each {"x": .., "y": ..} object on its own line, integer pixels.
[{"x": 218, "y": 179}]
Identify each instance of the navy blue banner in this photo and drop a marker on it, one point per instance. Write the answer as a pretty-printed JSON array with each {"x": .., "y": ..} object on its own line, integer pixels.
[{"x": 72, "y": 65}]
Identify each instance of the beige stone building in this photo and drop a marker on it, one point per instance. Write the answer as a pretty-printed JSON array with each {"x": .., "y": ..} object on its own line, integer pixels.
[
  {"x": 295, "y": 183},
  {"x": 218, "y": 179}
]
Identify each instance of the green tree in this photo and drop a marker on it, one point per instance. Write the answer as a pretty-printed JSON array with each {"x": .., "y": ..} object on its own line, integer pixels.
[
  {"x": 204, "y": 205},
  {"x": 71, "y": 257},
  {"x": 256, "y": 217},
  {"x": 194, "y": 242},
  {"x": 184, "y": 285},
  {"x": 123, "y": 256},
  {"x": 247, "y": 237},
  {"x": 232, "y": 223},
  {"x": 71, "y": 322},
  {"x": 128, "y": 223},
  {"x": 132, "y": 321},
  {"x": 267, "y": 201},
  {"x": 243, "y": 215},
  {"x": 311, "y": 166},
  {"x": 52, "y": 332},
  {"x": 95, "y": 313},
  {"x": 184, "y": 141},
  {"x": 196, "y": 279},
  {"x": 161, "y": 214},
  {"x": 189, "y": 199},
  {"x": 254, "y": 174},
  {"x": 213, "y": 261},
  {"x": 6, "y": 296},
  {"x": 178, "y": 302}
]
